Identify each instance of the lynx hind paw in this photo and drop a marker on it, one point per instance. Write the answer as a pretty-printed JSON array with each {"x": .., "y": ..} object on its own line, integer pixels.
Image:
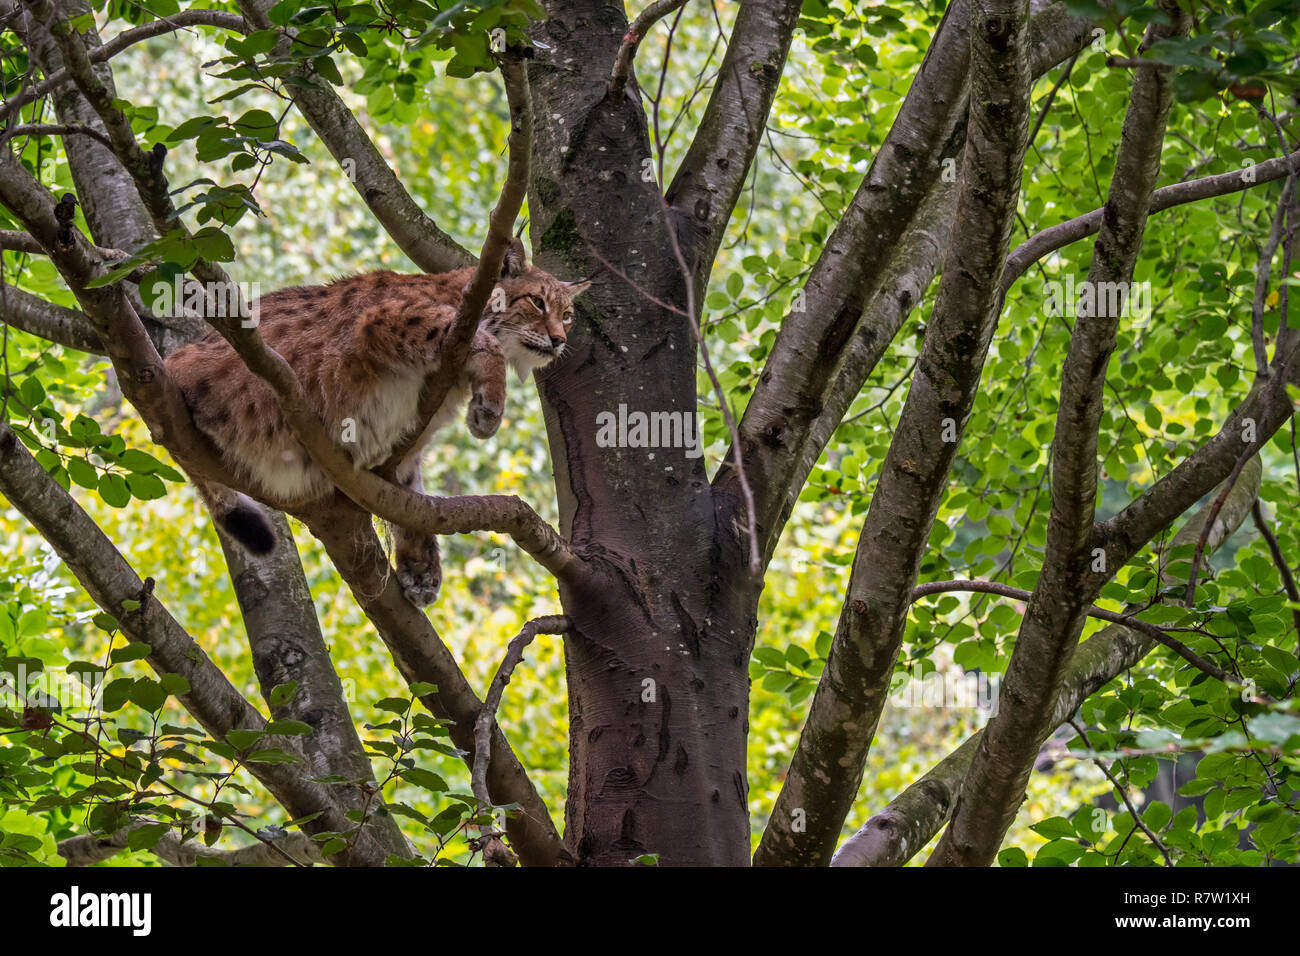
[
  {"x": 420, "y": 581},
  {"x": 483, "y": 417}
]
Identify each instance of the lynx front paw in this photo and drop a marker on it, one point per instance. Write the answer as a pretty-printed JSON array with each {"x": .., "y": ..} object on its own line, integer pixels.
[
  {"x": 483, "y": 417},
  {"x": 419, "y": 572}
]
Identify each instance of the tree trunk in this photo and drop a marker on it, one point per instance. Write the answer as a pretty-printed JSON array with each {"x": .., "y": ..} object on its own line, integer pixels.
[{"x": 658, "y": 658}]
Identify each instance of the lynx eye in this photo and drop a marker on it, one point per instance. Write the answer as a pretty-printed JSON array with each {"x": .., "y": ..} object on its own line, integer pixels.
[
  {"x": 538, "y": 303},
  {"x": 568, "y": 318}
]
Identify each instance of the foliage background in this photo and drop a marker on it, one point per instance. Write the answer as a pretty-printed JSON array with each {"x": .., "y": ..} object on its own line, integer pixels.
[{"x": 445, "y": 138}]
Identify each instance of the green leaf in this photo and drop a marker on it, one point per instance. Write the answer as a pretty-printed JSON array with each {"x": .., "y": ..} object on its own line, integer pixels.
[
  {"x": 113, "y": 489},
  {"x": 146, "y": 487},
  {"x": 424, "y": 778},
  {"x": 243, "y": 739},
  {"x": 281, "y": 694},
  {"x": 1054, "y": 828},
  {"x": 146, "y": 837},
  {"x": 135, "y": 651},
  {"x": 289, "y": 727},
  {"x": 271, "y": 755},
  {"x": 148, "y": 694}
]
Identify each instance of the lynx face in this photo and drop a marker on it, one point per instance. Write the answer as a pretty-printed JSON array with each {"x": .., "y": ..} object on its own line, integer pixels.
[{"x": 534, "y": 325}]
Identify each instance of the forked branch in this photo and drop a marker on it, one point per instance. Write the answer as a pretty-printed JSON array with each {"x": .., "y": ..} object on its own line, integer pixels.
[{"x": 636, "y": 32}]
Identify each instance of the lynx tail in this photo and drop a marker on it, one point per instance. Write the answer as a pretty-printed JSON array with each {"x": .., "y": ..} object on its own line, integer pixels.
[{"x": 241, "y": 516}]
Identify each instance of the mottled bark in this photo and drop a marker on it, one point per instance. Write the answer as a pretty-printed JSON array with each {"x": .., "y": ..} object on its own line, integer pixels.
[
  {"x": 1070, "y": 577},
  {"x": 107, "y": 198},
  {"x": 657, "y": 658},
  {"x": 87, "y": 850},
  {"x": 55, "y": 323},
  {"x": 832, "y": 750}
]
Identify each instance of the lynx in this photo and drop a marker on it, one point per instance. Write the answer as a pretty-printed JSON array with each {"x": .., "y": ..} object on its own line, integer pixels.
[{"x": 362, "y": 348}]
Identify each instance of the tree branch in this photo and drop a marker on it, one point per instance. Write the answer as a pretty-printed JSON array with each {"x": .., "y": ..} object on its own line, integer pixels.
[
  {"x": 1157, "y": 634},
  {"x": 421, "y": 657},
  {"x": 1283, "y": 569},
  {"x": 897, "y": 833},
  {"x": 89, "y": 849},
  {"x": 636, "y": 32},
  {"x": 53, "y": 129},
  {"x": 101, "y": 54},
  {"x": 1123, "y": 795},
  {"x": 108, "y": 197},
  {"x": 1055, "y": 615},
  {"x": 494, "y": 854},
  {"x": 55, "y": 323},
  {"x": 712, "y": 174},
  {"x": 828, "y": 761},
  {"x": 1080, "y": 227},
  {"x": 415, "y": 233},
  {"x": 486, "y": 721}
]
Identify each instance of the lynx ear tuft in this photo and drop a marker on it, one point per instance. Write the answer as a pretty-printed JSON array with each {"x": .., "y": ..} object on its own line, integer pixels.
[
  {"x": 577, "y": 288},
  {"x": 516, "y": 260}
]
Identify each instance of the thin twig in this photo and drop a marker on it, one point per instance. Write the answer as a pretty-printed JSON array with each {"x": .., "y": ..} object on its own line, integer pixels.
[
  {"x": 1263, "y": 270},
  {"x": 1123, "y": 794},
  {"x": 492, "y": 847},
  {"x": 1157, "y": 634},
  {"x": 1189, "y": 596},
  {"x": 688, "y": 276}
]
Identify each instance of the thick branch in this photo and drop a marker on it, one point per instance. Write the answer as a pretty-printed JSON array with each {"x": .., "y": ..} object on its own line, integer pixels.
[
  {"x": 55, "y": 323},
  {"x": 709, "y": 181},
  {"x": 832, "y": 750},
  {"x": 88, "y": 849},
  {"x": 348, "y": 535},
  {"x": 109, "y": 200}
]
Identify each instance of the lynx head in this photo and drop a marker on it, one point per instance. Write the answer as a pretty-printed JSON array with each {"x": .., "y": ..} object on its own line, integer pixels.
[{"x": 530, "y": 312}]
